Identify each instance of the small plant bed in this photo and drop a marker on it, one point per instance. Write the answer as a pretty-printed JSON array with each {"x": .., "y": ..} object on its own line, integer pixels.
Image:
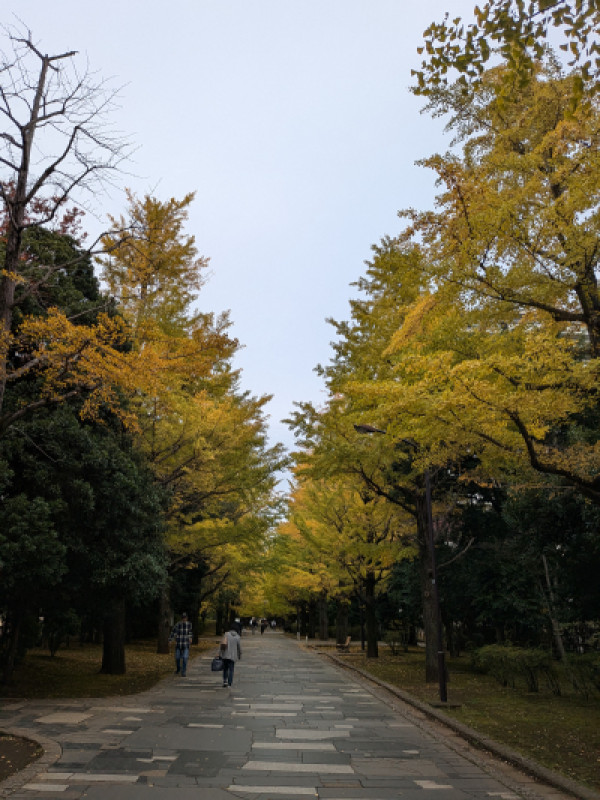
[
  {"x": 75, "y": 672},
  {"x": 16, "y": 754},
  {"x": 561, "y": 732}
]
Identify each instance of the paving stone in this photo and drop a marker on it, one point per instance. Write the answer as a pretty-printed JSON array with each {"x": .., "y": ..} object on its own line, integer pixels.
[
  {"x": 122, "y": 710},
  {"x": 353, "y": 793},
  {"x": 206, "y": 763},
  {"x": 299, "y": 746},
  {"x": 76, "y": 757},
  {"x": 143, "y": 792},
  {"x": 292, "y": 791},
  {"x": 191, "y": 738},
  {"x": 291, "y": 766},
  {"x": 380, "y": 767},
  {"x": 117, "y": 760},
  {"x": 308, "y": 734},
  {"x": 44, "y": 787},
  {"x": 64, "y": 718}
]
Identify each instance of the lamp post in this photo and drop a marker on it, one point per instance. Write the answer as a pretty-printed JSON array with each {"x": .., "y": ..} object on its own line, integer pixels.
[{"x": 369, "y": 429}]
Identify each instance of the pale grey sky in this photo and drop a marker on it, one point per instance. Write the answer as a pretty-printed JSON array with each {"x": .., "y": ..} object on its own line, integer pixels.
[{"x": 292, "y": 122}]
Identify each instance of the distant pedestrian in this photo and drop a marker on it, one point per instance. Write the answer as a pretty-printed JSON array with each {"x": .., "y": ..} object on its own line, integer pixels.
[
  {"x": 236, "y": 625},
  {"x": 182, "y": 634},
  {"x": 231, "y": 651},
  {"x": 263, "y": 625}
]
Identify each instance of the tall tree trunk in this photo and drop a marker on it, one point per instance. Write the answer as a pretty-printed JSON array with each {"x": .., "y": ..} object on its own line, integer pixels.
[
  {"x": 226, "y": 617},
  {"x": 323, "y": 618},
  {"x": 452, "y": 640},
  {"x": 14, "y": 632},
  {"x": 361, "y": 616},
  {"x": 429, "y": 611},
  {"x": 371, "y": 624},
  {"x": 341, "y": 621},
  {"x": 113, "y": 647},
  {"x": 16, "y": 220},
  {"x": 220, "y": 620},
  {"x": 435, "y": 665},
  {"x": 8, "y": 285},
  {"x": 194, "y": 617},
  {"x": 303, "y": 620},
  {"x": 430, "y": 606},
  {"x": 165, "y": 615},
  {"x": 558, "y": 640},
  {"x": 312, "y": 619}
]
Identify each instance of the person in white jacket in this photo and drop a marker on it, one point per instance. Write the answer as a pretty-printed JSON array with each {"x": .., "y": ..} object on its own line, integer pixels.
[{"x": 231, "y": 651}]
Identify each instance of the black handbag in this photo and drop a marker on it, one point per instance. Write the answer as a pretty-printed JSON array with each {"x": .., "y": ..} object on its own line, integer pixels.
[{"x": 217, "y": 664}]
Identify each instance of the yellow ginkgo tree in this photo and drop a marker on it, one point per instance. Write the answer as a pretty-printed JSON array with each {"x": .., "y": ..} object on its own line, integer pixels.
[
  {"x": 342, "y": 541},
  {"x": 205, "y": 439},
  {"x": 512, "y": 255}
]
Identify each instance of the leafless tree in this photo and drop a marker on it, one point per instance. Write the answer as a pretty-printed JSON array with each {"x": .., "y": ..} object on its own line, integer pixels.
[{"x": 55, "y": 145}]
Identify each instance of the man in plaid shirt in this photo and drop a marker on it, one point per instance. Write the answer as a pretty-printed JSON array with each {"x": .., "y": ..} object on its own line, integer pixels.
[{"x": 182, "y": 634}]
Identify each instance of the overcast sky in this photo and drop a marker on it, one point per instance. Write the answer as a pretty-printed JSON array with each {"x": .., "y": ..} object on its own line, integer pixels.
[{"x": 293, "y": 123}]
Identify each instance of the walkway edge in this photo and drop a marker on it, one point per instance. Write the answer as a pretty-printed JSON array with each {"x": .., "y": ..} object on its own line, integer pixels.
[{"x": 474, "y": 737}]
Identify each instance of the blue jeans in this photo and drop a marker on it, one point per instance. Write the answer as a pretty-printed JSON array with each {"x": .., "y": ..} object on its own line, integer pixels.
[
  {"x": 228, "y": 666},
  {"x": 181, "y": 657}
]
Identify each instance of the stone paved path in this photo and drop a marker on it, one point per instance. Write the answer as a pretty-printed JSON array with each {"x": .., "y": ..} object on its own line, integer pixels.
[{"x": 293, "y": 725}]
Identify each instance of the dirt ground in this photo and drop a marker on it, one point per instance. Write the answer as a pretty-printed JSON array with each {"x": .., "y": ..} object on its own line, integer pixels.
[{"x": 16, "y": 754}]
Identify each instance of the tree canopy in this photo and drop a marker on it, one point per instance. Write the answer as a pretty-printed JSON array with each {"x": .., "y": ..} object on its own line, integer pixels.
[{"x": 516, "y": 32}]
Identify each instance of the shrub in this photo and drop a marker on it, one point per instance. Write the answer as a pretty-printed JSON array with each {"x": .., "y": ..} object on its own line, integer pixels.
[
  {"x": 584, "y": 672},
  {"x": 510, "y": 665},
  {"x": 396, "y": 642}
]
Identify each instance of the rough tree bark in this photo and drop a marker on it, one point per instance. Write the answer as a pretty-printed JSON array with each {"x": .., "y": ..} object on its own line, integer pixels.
[
  {"x": 370, "y": 617},
  {"x": 429, "y": 605},
  {"x": 323, "y": 619},
  {"x": 341, "y": 621},
  {"x": 165, "y": 615},
  {"x": 113, "y": 647}
]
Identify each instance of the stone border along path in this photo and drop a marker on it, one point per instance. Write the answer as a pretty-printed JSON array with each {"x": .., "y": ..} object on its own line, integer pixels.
[{"x": 295, "y": 724}]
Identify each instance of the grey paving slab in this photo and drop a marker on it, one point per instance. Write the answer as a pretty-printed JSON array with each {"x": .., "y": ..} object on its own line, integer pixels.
[
  {"x": 311, "y": 734},
  {"x": 75, "y": 759},
  {"x": 148, "y": 792},
  {"x": 270, "y": 791},
  {"x": 179, "y": 737},
  {"x": 293, "y": 725},
  {"x": 352, "y": 793},
  {"x": 323, "y": 747},
  {"x": 64, "y": 718}
]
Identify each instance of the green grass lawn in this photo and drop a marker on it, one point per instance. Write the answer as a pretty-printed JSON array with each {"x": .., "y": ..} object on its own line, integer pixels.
[
  {"x": 75, "y": 672},
  {"x": 559, "y": 732}
]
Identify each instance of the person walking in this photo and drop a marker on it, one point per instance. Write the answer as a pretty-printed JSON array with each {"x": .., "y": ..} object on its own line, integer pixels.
[
  {"x": 236, "y": 625},
  {"x": 231, "y": 651},
  {"x": 182, "y": 634}
]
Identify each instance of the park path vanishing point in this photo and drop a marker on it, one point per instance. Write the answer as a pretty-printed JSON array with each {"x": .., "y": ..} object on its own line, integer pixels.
[{"x": 293, "y": 725}]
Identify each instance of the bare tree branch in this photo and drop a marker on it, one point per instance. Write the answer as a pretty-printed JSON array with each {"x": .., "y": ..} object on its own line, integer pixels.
[{"x": 45, "y": 100}]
